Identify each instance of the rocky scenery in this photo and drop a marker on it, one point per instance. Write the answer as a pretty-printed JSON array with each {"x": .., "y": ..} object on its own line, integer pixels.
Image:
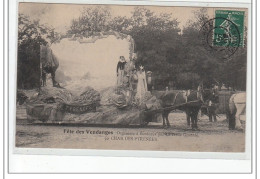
[{"x": 57, "y": 105}]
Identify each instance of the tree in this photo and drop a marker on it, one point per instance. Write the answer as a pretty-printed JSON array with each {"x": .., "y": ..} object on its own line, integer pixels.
[
  {"x": 156, "y": 38},
  {"x": 92, "y": 20},
  {"x": 197, "y": 59},
  {"x": 121, "y": 24},
  {"x": 34, "y": 32},
  {"x": 31, "y": 34}
]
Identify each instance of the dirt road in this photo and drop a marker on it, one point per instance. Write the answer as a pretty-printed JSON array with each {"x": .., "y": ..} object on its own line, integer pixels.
[{"x": 211, "y": 136}]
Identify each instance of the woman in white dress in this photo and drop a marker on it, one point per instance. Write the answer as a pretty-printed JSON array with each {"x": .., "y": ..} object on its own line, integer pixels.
[
  {"x": 120, "y": 71},
  {"x": 141, "y": 84}
]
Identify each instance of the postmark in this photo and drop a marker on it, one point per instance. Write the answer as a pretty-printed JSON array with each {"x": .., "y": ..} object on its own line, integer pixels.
[{"x": 223, "y": 35}]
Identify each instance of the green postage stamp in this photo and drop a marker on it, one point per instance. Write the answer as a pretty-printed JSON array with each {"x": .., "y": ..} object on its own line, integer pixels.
[{"x": 229, "y": 28}]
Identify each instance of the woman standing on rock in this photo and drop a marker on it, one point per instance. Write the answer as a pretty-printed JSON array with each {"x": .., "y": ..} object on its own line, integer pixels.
[
  {"x": 141, "y": 84},
  {"x": 120, "y": 70}
]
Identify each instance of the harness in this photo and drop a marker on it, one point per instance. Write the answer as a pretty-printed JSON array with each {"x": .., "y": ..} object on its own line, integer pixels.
[{"x": 186, "y": 94}]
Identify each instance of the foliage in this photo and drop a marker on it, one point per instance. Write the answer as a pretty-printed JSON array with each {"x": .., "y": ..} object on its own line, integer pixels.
[
  {"x": 31, "y": 34},
  {"x": 34, "y": 32},
  {"x": 91, "y": 20},
  {"x": 157, "y": 41}
]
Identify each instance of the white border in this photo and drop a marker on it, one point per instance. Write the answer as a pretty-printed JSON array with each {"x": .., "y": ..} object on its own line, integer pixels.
[{"x": 245, "y": 167}]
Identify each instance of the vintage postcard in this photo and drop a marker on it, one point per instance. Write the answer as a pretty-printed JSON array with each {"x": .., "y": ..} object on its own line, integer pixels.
[{"x": 132, "y": 77}]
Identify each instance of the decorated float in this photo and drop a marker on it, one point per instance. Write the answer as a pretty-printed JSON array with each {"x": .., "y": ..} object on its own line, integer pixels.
[{"x": 79, "y": 85}]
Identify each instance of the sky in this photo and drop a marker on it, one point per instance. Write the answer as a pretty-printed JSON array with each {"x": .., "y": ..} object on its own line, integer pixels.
[{"x": 59, "y": 16}]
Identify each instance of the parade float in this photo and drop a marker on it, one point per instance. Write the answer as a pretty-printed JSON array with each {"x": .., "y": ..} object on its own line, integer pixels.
[{"x": 79, "y": 84}]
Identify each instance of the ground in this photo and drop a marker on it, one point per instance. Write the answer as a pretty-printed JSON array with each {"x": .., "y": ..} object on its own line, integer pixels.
[{"x": 211, "y": 136}]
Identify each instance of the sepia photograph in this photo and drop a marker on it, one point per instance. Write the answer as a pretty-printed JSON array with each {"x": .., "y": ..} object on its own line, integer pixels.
[{"x": 131, "y": 77}]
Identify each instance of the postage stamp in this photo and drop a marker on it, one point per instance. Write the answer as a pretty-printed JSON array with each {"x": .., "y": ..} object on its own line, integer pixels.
[
  {"x": 119, "y": 77},
  {"x": 229, "y": 28}
]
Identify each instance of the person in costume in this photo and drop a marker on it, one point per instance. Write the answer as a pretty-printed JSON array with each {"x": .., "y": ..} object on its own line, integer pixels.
[
  {"x": 141, "y": 84},
  {"x": 120, "y": 70}
]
